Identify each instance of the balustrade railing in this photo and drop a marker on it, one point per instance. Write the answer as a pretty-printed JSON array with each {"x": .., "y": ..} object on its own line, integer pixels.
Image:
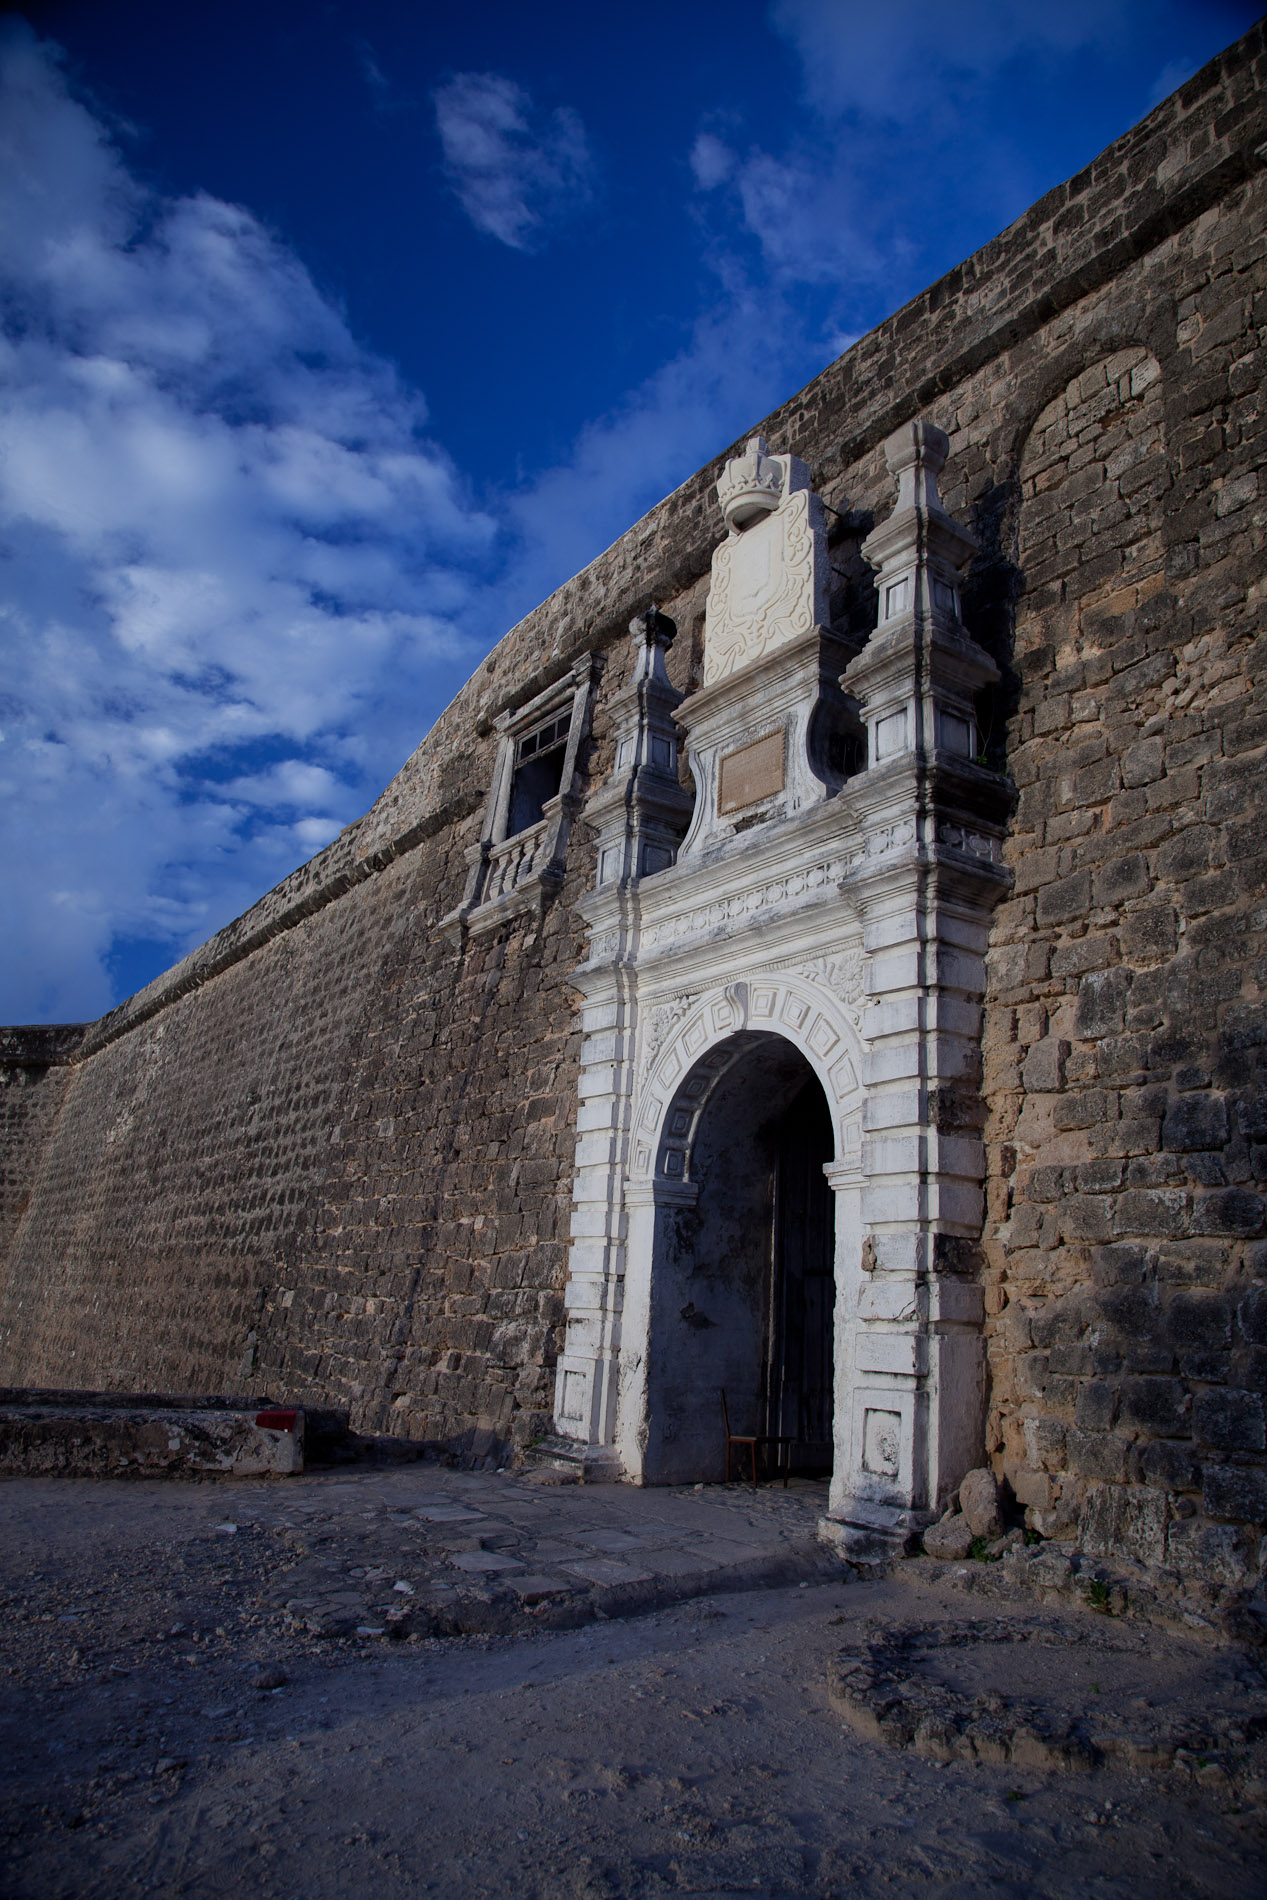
[{"x": 510, "y": 862}]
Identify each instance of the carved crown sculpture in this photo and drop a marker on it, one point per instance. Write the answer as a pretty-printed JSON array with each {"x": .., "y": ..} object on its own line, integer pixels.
[
  {"x": 751, "y": 485},
  {"x": 769, "y": 583}
]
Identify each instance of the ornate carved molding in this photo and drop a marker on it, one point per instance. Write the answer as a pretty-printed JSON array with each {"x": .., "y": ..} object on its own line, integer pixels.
[
  {"x": 788, "y": 889},
  {"x": 842, "y": 974},
  {"x": 765, "y": 587},
  {"x": 974, "y": 844},
  {"x": 701, "y": 1034},
  {"x": 660, "y": 1021}
]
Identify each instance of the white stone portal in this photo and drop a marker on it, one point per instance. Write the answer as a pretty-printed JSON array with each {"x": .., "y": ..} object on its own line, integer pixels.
[{"x": 826, "y": 917}]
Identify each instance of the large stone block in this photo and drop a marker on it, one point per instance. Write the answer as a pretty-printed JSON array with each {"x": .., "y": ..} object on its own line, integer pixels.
[
  {"x": 1159, "y": 1406},
  {"x": 1129, "y": 1520},
  {"x": 1231, "y": 1211},
  {"x": 1172, "y": 1464},
  {"x": 1099, "y": 1455},
  {"x": 1162, "y": 1211},
  {"x": 1195, "y": 1121},
  {"x": 950, "y": 1540},
  {"x": 1150, "y": 934},
  {"x": 1199, "y": 1320},
  {"x": 981, "y": 1504},
  {"x": 1068, "y": 898},
  {"x": 1229, "y": 1419},
  {"x": 1236, "y": 1491},
  {"x": 1222, "y": 1555},
  {"x": 1102, "y": 1000}
]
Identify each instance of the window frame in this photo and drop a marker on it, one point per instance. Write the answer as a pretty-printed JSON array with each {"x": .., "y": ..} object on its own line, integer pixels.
[{"x": 510, "y": 873}]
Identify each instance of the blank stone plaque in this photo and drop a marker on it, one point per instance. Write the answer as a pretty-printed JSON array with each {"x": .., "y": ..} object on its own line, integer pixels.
[
  {"x": 881, "y": 1443},
  {"x": 752, "y": 773}
]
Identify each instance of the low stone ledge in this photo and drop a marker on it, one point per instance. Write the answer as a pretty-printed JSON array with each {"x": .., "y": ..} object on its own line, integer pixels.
[
  {"x": 1013, "y": 1691},
  {"x": 500, "y": 1606},
  {"x": 1058, "y": 1573},
  {"x": 107, "y": 1435}
]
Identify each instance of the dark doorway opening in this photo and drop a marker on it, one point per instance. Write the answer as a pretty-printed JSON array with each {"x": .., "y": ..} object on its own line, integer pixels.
[
  {"x": 743, "y": 1276},
  {"x": 800, "y": 1359}
]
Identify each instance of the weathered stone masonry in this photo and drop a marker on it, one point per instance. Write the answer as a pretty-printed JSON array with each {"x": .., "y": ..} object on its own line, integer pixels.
[{"x": 332, "y": 1152}]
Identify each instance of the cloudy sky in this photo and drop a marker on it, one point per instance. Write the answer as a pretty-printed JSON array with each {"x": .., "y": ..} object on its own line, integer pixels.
[{"x": 338, "y": 332}]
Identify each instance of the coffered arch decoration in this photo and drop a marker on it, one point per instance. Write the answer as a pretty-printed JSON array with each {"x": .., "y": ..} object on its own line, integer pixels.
[{"x": 723, "y": 1026}]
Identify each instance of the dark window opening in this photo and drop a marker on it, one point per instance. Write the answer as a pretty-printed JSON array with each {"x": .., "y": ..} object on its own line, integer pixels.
[
  {"x": 539, "y": 760},
  {"x": 846, "y": 753}
]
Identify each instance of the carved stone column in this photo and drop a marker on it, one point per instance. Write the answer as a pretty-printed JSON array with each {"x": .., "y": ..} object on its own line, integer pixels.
[
  {"x": 642, "y": 810},
  {"x": 925, "y": 888}
]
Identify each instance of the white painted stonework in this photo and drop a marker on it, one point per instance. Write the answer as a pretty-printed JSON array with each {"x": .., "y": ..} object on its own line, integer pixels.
[
  {"x": 834, "y": 927},
  {"x": 769, "y": 581}
]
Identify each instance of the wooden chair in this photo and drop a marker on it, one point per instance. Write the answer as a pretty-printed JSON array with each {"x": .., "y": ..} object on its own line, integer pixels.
[{"x": 752, "y": 1440}]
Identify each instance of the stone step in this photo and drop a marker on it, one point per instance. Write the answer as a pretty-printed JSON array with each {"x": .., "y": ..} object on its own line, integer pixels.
[{"x": 570, "y": 1459}]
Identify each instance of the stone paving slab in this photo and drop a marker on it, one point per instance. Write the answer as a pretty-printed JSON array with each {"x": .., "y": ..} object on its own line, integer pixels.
[{"x": 420, "y": 1550}]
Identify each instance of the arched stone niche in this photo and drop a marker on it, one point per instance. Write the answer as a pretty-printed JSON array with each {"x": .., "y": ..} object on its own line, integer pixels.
[
  {"x": 1090, "y": 546},
  {"x": 1092, "y": 473}
]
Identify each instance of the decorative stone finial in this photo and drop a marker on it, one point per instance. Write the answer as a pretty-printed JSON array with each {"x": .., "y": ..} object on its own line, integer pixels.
[
  {"x": 750, "y": 485},
  {"x": 919, "y": 551},
  {"x": 918, "y": 675},
  {"x": 653, "y": 635},
  {"x": 652, "y": 628},
  {"x": 916, "y": 453},
  {"x": 642, "y": 810}
]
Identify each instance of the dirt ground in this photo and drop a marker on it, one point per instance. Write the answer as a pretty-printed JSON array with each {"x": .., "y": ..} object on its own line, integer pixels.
[{"x": 170, "y": 1727}]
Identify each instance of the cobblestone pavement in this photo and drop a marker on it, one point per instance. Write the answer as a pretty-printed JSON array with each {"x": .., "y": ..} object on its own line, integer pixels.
[
  {"x": 416, "y": 1550},
  {"x": 193, "y": 1710}
]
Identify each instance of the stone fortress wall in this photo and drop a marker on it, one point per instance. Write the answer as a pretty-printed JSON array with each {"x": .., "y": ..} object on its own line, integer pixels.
[{"x": 330, "y": 1154}]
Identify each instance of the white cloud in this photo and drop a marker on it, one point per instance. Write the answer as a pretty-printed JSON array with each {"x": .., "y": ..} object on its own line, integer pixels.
[
  {"x": 804, "y": 210},
  {"x": 743, "y": 358},
  {"x": 712, "y": 161},
  {"x": 234, "y": 571},
  {"x": 375, "y": 78},
  {"x": 1169, "y": 79},
  {"x": 516, "y": 172},
  {"x": 898, "y": 136},
  {"x": 909, "y": 58}
]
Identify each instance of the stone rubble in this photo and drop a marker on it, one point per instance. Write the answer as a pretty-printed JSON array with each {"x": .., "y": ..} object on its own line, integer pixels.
[
  {"x": 892, "y": 1687},
  {"x": 981, "y": 1504}
]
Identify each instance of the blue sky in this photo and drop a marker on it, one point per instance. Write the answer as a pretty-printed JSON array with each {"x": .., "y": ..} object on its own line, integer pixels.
[{"x": 336, "y": 335}]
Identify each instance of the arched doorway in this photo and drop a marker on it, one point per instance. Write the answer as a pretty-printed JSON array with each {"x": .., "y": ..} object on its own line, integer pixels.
[{"x": 742, "y": 1292}]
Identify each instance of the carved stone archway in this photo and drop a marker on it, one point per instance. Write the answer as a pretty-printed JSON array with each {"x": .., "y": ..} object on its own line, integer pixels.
[
  {"x": 750, "y": 1027},
  {"x": 683, "y": 1048},
  {"x": 832, "y": 889}
]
